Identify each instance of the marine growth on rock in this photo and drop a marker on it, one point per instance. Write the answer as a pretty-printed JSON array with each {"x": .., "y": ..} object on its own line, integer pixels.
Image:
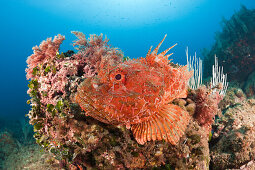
[{"x": 95, "y": 108}]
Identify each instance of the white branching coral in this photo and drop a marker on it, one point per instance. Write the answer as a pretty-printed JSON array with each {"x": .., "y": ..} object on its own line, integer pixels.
[
  {"x": 219, "y": 79},
  {"x": 196, "y": 65}
]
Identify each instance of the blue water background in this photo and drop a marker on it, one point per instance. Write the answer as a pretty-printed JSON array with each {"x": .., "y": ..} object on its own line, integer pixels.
[{"x": 131, "y": 25}]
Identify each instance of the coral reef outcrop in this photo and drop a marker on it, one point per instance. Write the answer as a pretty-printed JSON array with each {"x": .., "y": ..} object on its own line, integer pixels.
[
  {"x": 80, "y": 141},
  {"x": 233, "y": 140}
]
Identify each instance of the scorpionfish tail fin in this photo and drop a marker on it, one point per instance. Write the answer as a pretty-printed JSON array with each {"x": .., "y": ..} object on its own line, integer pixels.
[{"x": 168, "y": 124}]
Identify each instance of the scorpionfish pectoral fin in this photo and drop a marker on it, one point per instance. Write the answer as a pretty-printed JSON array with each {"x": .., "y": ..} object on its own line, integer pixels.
[{"x": 168, "y": 124}]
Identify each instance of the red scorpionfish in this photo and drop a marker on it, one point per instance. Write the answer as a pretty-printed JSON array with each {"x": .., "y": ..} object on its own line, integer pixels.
[{"x": 138, "y": 94}]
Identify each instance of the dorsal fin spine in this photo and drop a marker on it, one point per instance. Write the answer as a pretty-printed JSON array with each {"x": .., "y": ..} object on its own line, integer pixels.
[
  {"x": 155, "y": 51},
  {"x": 164, "y": 52}
]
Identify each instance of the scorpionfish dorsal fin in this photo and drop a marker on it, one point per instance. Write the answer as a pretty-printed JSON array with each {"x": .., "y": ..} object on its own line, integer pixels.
[
  {"x": 168, "y": 124},
  {"x": 162, "y": 58}
]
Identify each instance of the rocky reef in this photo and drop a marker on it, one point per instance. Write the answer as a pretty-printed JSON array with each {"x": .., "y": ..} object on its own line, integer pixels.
[
  {"x": 18, "y": 149},
  {"x": 79, "y": 141},
  {"x": 233, "y": 140},
  {"x": 7, "y": 145},
  {"x": 235, "y": 48}
]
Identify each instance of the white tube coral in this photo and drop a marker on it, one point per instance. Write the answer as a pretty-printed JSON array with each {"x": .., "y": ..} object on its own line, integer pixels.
[
  {"x": 196, "y": 65},
  {"x": 219, "y": 79}
]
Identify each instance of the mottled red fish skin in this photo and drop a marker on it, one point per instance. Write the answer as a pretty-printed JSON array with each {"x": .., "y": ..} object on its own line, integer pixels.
[
  {"x": 133, "y": 91},
  {"x": 139, "y": 92}
]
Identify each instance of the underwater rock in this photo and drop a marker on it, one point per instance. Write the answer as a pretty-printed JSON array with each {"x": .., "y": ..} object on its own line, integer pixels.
[
  {"x": 80, "y": 141},
  {"x": 249, "y": 86},
  {"x": 233, "y": 141},
  {"x": 249, "y": 165},
  {"x": 8, "y": 145},
  {"x": 31, "y": 157},
  {"x": 234, "y": 96}
]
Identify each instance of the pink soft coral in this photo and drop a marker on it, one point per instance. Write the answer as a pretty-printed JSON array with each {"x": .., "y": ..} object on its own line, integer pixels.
[
  {"x": 47, "y": 50},
  {"x": 53, "y": 70},
  {"x": 94, "y": 51},
  {"x": 55, "y": 76}
]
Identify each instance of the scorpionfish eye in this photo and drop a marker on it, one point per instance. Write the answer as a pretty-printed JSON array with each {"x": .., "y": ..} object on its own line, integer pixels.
[{"x": 118, "y": 77}]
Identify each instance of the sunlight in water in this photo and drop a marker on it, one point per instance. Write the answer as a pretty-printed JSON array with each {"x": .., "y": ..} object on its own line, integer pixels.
[{"x": 120, "y": 12}]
